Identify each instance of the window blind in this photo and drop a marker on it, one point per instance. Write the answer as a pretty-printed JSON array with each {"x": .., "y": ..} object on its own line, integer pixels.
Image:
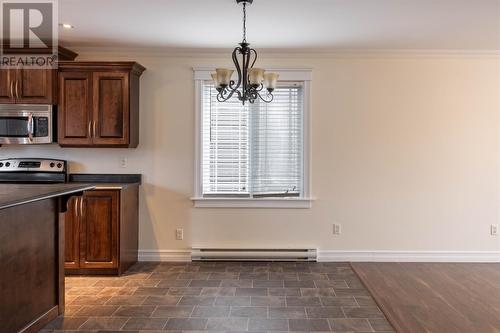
[
  {"x": 225, "y": 145},
  {"x": 253, "y": 150},
  {"x": 276, "y": 144}
]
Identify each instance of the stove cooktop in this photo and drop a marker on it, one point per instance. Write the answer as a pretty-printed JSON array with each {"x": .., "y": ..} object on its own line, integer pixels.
[{"x": 32, "y": 170}]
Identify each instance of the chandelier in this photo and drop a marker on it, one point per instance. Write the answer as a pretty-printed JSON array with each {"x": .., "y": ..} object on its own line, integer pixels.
[{"x": 251, "y": 81}]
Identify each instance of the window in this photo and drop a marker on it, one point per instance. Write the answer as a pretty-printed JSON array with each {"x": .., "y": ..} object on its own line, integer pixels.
[{"x": 252, "y": 155}]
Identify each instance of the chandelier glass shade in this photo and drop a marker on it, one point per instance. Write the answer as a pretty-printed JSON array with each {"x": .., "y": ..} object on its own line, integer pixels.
[{"x": 252, "y": 83}]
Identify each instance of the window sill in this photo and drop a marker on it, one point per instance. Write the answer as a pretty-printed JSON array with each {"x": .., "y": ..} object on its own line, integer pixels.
[{"x": 294, "y": 203}]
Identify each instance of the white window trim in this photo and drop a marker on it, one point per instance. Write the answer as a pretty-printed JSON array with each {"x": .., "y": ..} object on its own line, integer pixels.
[{"x": 286, "y": 74}]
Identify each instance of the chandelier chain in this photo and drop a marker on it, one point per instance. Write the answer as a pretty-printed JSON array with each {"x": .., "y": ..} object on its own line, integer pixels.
[{"x": 244, "y": 22}]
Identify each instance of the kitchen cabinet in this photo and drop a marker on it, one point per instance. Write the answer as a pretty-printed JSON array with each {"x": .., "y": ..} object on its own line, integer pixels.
[
  {"x": 7, "y": 78},
  {"x": 27, "y": 86},
  {"x": 75, "y": 109},
  {"x": 99, "y": 104},
  {"x": 31, "y": 254},
  {"x": 71, "y": 235},
  {"x": 101, "y": 231}
]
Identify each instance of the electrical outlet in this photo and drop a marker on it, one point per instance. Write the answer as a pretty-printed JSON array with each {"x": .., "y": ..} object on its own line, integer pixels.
[
  {"x": 494, "y": 229},
  {"x": 179, "y": 234},
  {"x": 337, "y": 229},
  {"x": 123, "y": 162}
]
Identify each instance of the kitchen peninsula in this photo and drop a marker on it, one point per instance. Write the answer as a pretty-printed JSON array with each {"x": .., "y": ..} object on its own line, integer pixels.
[{"x": 32, "y": 253}]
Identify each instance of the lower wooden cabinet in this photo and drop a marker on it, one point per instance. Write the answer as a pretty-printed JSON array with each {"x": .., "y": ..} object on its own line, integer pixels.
[
  {"x": 72, "y": 234},
  {"x": 101, "y": 229}
]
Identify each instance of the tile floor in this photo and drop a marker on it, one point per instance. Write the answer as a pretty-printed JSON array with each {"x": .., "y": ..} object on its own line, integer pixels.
[{"x": 222, "y": 297}]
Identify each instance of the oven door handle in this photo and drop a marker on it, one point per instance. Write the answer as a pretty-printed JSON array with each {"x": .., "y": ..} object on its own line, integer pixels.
[{"x": 30, "y": 127}]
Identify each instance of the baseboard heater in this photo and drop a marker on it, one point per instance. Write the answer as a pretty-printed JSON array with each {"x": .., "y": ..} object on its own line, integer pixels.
[{"x": 214, "y": 254}]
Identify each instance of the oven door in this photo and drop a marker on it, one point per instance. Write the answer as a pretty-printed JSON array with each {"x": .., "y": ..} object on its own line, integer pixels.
[{"x": 25, "y": 124}]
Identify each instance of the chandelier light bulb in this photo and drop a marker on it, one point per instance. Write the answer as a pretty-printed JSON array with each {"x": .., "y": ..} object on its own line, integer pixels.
[
  {"x": 255, "y": 76},
  {"x": 224, "y": 76},
  {"x": 271, "y": 81},
  {"x": 216, "y": 81}
]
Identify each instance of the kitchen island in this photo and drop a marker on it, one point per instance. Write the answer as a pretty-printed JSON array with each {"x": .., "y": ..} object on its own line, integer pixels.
[{"x": 32, "y": 253}]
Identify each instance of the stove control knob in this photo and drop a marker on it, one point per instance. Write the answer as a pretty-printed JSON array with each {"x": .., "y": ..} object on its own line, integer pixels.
[
  {"x": 7, "y": 164},
  {"x": 52, "y": 164},
  {"x": 59, "y": 165},
  {"x": 1, "y": 164}
]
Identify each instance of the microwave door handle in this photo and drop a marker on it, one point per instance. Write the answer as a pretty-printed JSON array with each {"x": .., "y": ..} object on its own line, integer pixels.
[{"x": 30, "y": 127}]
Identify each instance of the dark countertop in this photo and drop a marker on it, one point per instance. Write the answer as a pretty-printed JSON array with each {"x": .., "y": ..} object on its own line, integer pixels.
[
  {"x": 18, "y": 194},
  {"x": 105, "y": 178}
]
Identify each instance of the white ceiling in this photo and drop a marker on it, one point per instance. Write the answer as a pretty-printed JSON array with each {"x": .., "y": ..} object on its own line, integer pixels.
[{"x": 276, "y": 24}]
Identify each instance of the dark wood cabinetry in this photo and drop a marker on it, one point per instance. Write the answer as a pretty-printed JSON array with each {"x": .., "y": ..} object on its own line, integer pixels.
[
  {"x": 7, "y": 79},
  {"x": 99, "y": 104},
  {"x": 75, "y": 109},
  {"x": 27, "y": 86},
  {"x": 111, "y": 108},
  {"x": 71, "y": 234},
  {"x": 101, "y": 231}
]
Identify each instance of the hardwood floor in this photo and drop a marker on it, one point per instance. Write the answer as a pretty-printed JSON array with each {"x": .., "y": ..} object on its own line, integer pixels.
[{"x": 435, "y": 297}]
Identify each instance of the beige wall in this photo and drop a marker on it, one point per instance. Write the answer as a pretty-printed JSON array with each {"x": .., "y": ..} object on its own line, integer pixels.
[{"x": 405, "y": 155}]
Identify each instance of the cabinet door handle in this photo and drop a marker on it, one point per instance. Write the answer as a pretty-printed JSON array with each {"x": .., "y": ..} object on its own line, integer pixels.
[
  {"x": 93, "y": 128},
  {"x": 76, "y": 206},
  {"x": 89, "y": 130},
  {"x": 81, "y": 206},
  {"x": 12, "y": 89},
  {"x": 17, "y": 89}
]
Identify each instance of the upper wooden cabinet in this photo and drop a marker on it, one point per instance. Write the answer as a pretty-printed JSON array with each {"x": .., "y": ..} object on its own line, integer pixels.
[
  {"x": 7, "y": 79},
  {"x": 27, "y": 86},
  {"x": 111, "y": 108},
  {"x": 75, "y": 108},
  {"x": 98, "y": 104}
]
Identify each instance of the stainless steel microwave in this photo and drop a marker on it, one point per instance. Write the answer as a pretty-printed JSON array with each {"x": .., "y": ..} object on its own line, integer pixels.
[{"x": 26, "y": 124}]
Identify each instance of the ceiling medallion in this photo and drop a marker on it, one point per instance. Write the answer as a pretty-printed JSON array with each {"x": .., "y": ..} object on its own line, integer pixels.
[{"x": 251, "y": 81}]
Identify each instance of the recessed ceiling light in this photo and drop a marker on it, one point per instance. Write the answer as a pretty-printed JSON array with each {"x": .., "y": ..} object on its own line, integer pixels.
[{"x": 66, "y": 26}]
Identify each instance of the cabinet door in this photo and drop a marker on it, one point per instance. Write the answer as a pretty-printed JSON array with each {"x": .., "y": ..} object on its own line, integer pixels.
[
  {"x": 111, "y": 108},
  {"x": 72, "y": 233},
  {"x": 75, "y": 109},
  {"x": 99, "y": 230},
  {"x": 7, "y": 81},
  {"x": 35, "y": 86}
]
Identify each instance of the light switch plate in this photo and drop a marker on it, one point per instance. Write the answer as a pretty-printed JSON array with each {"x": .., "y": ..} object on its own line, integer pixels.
[{"x": 494, "y": 229}]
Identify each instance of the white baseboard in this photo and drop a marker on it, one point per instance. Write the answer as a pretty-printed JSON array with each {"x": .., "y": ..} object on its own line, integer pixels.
[
  {"x": 410, "y": 256},
  {"x": 339, "y": 256},
  {"x": 165, "y": 255}
]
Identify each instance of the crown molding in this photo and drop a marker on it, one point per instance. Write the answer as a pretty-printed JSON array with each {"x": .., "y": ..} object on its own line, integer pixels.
[{"x": 285, "y": 53}]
